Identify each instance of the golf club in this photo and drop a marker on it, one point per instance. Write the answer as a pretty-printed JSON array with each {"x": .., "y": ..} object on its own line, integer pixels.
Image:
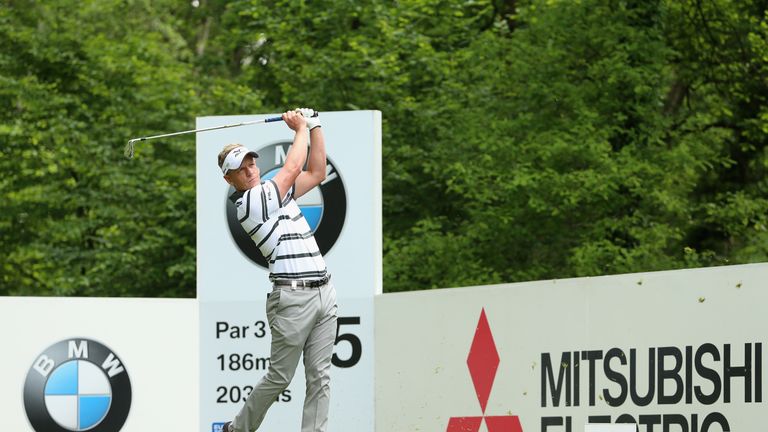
[{"x": 131, "y": 146}]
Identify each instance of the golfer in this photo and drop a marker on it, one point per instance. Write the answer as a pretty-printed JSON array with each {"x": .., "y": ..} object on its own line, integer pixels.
[{"x": 301, "y": 308}]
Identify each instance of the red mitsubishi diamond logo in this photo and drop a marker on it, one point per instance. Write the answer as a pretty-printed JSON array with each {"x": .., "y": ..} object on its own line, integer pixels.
[{"x": 483, "y": 361}]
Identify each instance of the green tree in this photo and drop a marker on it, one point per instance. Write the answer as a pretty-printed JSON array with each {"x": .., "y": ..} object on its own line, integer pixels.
[
  {"x": 720, "y": 93},
  {"x": 78, "y": 79},
  {"x": 581, "y": 154},
  {"x": 522, "y": 139}
]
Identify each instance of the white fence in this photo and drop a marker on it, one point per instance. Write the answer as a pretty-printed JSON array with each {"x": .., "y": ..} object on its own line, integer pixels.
[
  {"x": 154, "y": 340},
  {"x": 670, "y": 351}
]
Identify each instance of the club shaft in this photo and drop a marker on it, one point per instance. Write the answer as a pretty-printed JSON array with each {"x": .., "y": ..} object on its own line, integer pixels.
[
  {"x": 267, "y": 120},
  {"x": 130, "y": 147}
]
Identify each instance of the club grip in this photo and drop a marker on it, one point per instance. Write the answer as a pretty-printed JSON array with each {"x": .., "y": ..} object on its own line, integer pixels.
[{"x": 274, "y": 119}]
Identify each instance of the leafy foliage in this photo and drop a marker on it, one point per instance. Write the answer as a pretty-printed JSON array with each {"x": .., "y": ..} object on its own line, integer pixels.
[
  {"x": 522, "y": 139},
  {"x": 79, "y": 219}
]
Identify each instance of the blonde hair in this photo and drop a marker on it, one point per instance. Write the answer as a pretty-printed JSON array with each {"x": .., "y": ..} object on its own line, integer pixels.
[{"x": 225, "y": 151}]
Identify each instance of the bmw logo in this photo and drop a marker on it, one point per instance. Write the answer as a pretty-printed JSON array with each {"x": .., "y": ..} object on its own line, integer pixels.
[
  {"x": 324, "y": 207},
  {"x": 77, "y": 385}
]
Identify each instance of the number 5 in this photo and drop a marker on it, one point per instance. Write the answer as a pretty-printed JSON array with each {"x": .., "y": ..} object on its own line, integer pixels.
[{"x": 354, "y": 341}]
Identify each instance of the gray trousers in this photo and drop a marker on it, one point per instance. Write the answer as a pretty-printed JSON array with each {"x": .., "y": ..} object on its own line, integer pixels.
[{"x": 302, "y": 320}]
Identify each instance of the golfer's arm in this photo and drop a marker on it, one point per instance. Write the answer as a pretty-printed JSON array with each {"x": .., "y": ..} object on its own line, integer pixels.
[
  {"x": 316, "y": 167},
  {"x": 294, "y": 161}
]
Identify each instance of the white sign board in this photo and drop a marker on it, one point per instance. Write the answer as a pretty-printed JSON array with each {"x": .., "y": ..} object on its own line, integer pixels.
[
  {"x": 98, "y": 364},
  {"x": 667, "y": 351},
  {"x": 345, "y": 214}
]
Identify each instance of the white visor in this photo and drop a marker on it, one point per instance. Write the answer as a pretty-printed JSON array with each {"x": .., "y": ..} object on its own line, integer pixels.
[{"x": 235, "y": 158}]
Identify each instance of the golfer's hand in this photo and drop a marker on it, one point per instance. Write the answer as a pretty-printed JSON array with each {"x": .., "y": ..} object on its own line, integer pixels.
[
  {"x": 294, "y": 120},
  {"x": 311, "y": 116}
]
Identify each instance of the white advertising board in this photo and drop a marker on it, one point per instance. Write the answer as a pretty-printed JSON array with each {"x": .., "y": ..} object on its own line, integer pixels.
[
  {"x": 669, "y": 351},
  {"x": 345, "y": 214},
  {"x": 98, "y": 364}
]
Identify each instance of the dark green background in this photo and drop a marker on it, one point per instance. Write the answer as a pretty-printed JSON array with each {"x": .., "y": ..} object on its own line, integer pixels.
[{"x": 522, "y": 139}]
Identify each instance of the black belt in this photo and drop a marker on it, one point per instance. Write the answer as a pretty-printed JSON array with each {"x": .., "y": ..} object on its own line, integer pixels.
[{"x": 301, "y": 283}]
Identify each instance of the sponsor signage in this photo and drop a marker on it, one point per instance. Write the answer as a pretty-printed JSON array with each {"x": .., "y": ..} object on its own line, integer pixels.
[
  {"x": 98, "y": 364},
  {"x": 77, "y": 385},
  {"x": 344, "y": 212},
  {"x": 668, "y": 351}
]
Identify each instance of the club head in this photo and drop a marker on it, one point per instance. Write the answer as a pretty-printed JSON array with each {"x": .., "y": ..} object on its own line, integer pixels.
[{"x": 130, "y": 148}]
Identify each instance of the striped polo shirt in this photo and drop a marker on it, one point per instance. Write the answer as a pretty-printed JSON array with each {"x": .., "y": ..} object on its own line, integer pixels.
[{"x": 280, "y": 232}]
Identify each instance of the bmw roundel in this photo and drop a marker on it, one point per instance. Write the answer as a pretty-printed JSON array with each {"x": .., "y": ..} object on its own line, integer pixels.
[
  {"x": 77, "y": 385},
  {"x": 324, "y": 207}
]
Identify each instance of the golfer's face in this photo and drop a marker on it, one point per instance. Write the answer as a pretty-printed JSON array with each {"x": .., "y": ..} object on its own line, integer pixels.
[{"x": 245, "y": 177}]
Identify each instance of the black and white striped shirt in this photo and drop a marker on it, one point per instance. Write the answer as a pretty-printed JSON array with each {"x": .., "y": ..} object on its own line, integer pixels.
[{"x": 280, "y": 232}]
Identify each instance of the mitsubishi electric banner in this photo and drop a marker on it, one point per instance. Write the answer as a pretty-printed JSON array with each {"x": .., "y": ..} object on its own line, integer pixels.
[
  {"x": 344, "y": 213},
  {"x": 676, "y": 351}
]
